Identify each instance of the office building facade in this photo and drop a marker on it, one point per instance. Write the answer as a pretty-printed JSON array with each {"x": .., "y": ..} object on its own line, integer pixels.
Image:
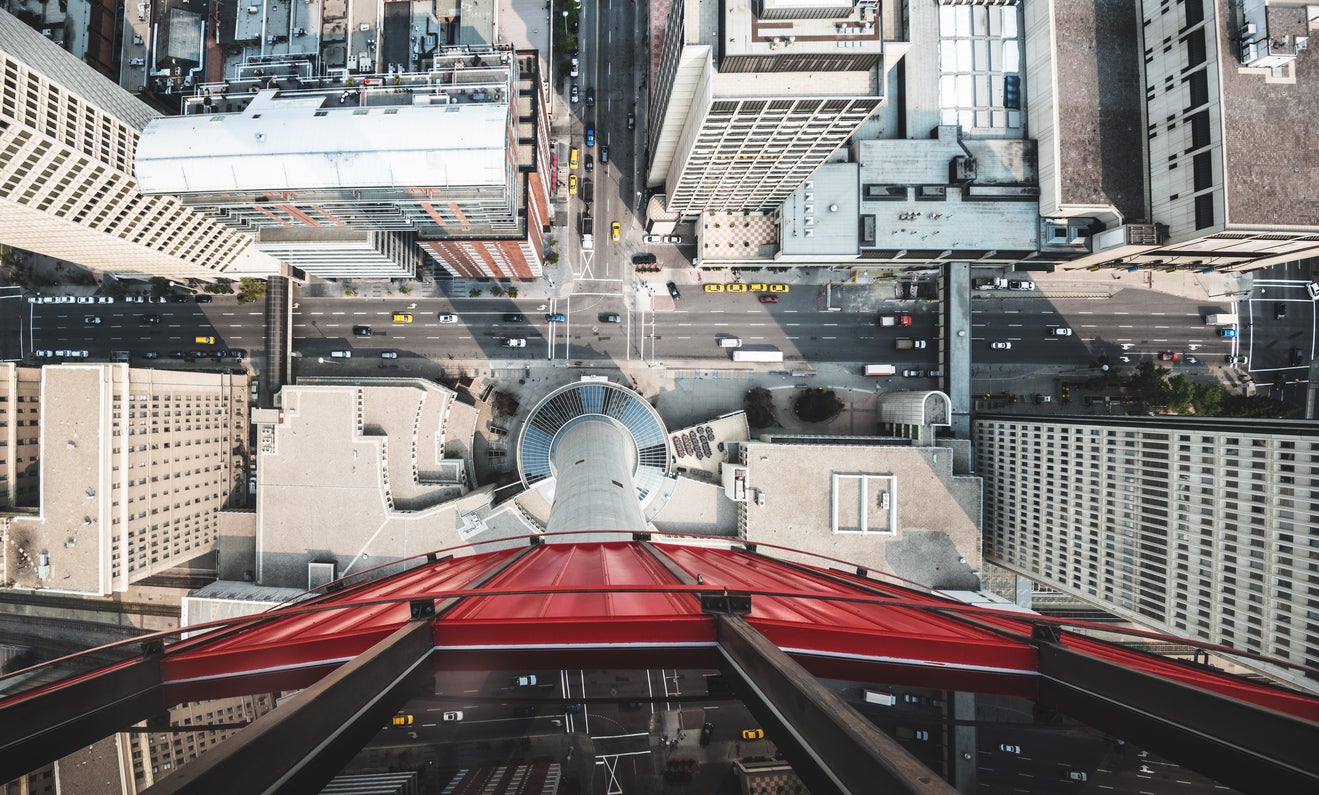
[
  {"x": 1200, "y": 528},
  {"x": 750, "y": 99},
  {"x": 66, "y": 174},
  {"x": 20, "y": 410},
  {"x": 135, "y": 466},
  {"x": 362, "y": 177}
]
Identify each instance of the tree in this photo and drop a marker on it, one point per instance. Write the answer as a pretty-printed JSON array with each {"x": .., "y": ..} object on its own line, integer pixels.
[
  {"x": 1256, "y": 406},
  {"x": 1180, "y": 393},
  {"x": 250, "y": 290},
  {"x": 159, "y": 286},
  {"x": 405, "y": 290},
  {"x": 1209, "y": 399},
  {"x": 817, "y": 405},
  {"x": 513, "y": 291},
  {"x": 1149, "y": 384},
  {"x": 496, "y": 290},
  {"x": 552, "y": 258},
  {"x": 475, "y": 292},
  {"x": 759, "y": 406}
]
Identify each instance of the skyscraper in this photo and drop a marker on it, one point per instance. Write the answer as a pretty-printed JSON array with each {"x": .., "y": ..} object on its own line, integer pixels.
[
  {"x": 359, "y": 177},
  {"x": 1203, "y": 528},
  {"x": 750, "y": 98},
  {"x": 67, "y": 189}
]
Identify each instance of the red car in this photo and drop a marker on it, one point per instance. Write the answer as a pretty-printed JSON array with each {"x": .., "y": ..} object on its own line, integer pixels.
[
  {"x": 904, "y": 320},
  {"x": 1170, "y": 357},
  {"x": 769, "y": 299}
]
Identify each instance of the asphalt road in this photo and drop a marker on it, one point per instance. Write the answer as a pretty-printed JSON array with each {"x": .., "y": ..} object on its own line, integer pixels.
[{"x": 122, "y": 327}]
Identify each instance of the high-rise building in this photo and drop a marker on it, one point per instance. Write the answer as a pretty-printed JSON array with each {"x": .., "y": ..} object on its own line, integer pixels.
[
  {"x": 135, "y": 466},
  {"x": 20, "y": 443},
  {"x": 361, "y": 177},
  {"x": 1202, "y": 528},
  {"x": 751, "y": 98},
  {"x": 67, "y": 190},
  {"x": 1173, "y": 134}
]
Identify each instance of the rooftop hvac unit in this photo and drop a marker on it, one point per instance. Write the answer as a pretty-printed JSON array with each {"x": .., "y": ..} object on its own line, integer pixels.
[
  {"x": 252, "y": 9},
  {"x": 1248, "y": 30},
  {"x": 810, "y": 233},
  {"x": 963, "y": 169}
]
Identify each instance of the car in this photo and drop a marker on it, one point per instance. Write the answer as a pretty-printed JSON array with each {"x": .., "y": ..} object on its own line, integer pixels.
[
  {"x": 362, "y": 331},
  {"x": 402, "y": 317},
  {"x": 1227, "y": 333},
  {"x": 151, "y": 355},
  {"x": 588, "y": 164},
  {"x": 643, "y": 259},
  {"x": 1298, "y": 357},
  {"x": 1043, "y": 399},
  {"x": 43, "y": 354},
  {"x": 1312, "y": 289},
  {"x": 68, "y": 299},
  {"x": 673, "y": 291},
  {"x": 524, "y": 680},
  {"x": 79, "y": 354},
  {"x": 574, "y": 69},
  {"x": 104, "y": 299},
  {"x": 631, "y": 121},
  {"x": 573, "y": 96},
  {"x": 178, "y": 354},
  {"x": 85, "y": 299},
  {"x": 758, "y": 287},
  {"x": 401, "y": 720},
  {"x": 515, "y": 342},
  {"x": 203, "y": 298},
  {"x": 237, "y": 353},
  {"x": 707, "y": 731},
  {"x": 573, "y": 156},
  {"x": 769, "y": 299},
  {"x": 572, "y": 184},
  {"x": 448, "y": 318},
  {"x": 572, "y": 708},
  {"x": 736, "y": 287},
  {"x": 714, "y": 288},
  {"x": 590, "y": 97},
  {"x": 911, "y": 373},
  {"x": 778, "y": 288},
  {"x": 1169, "y": 357},
  {"x": 556, "y": 317},
  {"x": 1279, "y": 310},
  {"x": 590, "y": 137},
  {"x": 1021, "y": 285},
  {"x": 753, "y": 734},
  {"x": 178, "y": 299},
  {"x": 615, "y": 231},
  {"x": 1011, "y": 749},
  {"x": 604, "y": 154},
  {"x": 34, "y": 299},
  {"x": 1001, "y": 346},
  {"x": 135, "y": 299},
  {"x": 1235, "y": 359},
  {"x": 91, "y": 320},
  {"x": 452, "y": 715},
  {"x": 345, "y": 354},
  {"x": 612, "y": 317},
  {"x": 1073, "y": 775},
  {"x": 672, "y": 239},
  {"x": 149, "y": 319},
  {"x": 1062, "y": 332},
  {"x": 389, "y": 354},
  {"x": 514, "y": 317},
  {"x": 933, "y": 374}
]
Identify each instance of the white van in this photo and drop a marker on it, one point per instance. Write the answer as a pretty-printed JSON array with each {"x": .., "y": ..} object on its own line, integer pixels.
[
  {"x": 341, "y": 354},
  {"x": 730, "y": 342}
]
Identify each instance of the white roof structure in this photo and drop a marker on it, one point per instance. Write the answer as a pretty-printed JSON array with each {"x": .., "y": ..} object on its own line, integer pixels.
[{"x": 283, "y": 145}]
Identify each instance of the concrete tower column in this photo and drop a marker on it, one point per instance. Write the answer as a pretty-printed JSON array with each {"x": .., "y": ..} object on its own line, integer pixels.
[{"x": 594, "y": 461}]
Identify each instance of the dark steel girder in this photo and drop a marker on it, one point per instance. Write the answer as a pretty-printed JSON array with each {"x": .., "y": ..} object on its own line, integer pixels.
[
  {"x": 305, "y": 741},
  {"x": 1242, "y": 745},
  {"x": 841, "y": 750},
  {"x": 52, "y": 724}
]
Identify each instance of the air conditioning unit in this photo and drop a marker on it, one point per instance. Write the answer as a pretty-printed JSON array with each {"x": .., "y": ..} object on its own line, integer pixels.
[
  {"x": 253, "y": 10},
  {"x": 1248, "y": 30}
]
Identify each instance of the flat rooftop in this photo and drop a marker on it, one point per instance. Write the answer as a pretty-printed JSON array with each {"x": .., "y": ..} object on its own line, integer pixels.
[{"x": 1098, "y": 103}]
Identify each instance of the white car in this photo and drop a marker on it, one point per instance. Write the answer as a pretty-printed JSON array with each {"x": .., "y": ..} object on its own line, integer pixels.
[
  {"x": 1011, "y": 749},
  {"x": 1022, "y": 285},
  {"x": 34, "y": 299},
  {"x": 1313, "y": 289},
  {"x": 43, "y": 354},
  {"x": 389, "y": 354},
  {"x": 86, "y": 299},
  {"x": 65, "y": 299},
  {"x": 576, "y": 68},
  {"x": 1062, "y": 332},
  {"x": 135, "y": 299},
  {"x": 672, "y": 239},
  {"x": 515, "y": 342},
  {"x": 653, "y": 239},
  {"x": 104, "y": 299},
  {"x": 454, "y": 715},
  {"x": 1001, "y": 346},
  {"x": 448, "y": 318},
  {"x": 91, "y": 320}
]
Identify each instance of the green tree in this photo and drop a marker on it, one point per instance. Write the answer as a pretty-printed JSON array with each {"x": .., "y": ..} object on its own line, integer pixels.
[
  {"x": 552, "y": 258},
  {"x": 496, "y": 290},
  {"x": 1149, "y": 384},
  {"x": 1256, "y": 406},
  {"x": 475, "y": 292},
  {"x": 405, "y": 290},
  {"x": 159, "y": 286},
  {"x": 1209, "y": 399},
  {"x": 759, "y": 406},
  {"x": 513, "y": 291},
  {"x": 251, "y": 290},
  {"x": 1180, "y": 393},
  {"x": 817, "y": 405}
]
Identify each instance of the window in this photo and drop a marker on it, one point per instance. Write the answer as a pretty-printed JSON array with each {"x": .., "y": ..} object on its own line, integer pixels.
[
  {"x": 1204, "y": 171},
  {"x": 1195, "y": 48},
  {"x": 1204, "y": 210},
  {"x": 1200, "y": 130},
  {"x": 1198, "y": 85}
]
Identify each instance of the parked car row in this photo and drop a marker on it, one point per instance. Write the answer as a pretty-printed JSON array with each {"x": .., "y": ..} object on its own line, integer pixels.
[
  {"x": 738, "y": 287},
  {"x": 136, "y": 298}
]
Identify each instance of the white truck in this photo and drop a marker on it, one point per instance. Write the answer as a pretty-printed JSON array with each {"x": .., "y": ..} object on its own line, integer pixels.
[
  {"x": 745, "y": 355},
  {"x": 880, "y": 369},
  {"x": 880, "y": 697},
  {"x": 1220, "y": 320},
  {"x": 906, "y": 344}
]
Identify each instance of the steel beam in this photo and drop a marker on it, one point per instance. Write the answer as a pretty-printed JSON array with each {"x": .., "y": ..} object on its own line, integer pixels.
[
  {"x": 52, "y": 724},
  {"x": 1242, "y": 745},
  {"x": 842, "y": 751},
  {"x": 305, "y": 742}
]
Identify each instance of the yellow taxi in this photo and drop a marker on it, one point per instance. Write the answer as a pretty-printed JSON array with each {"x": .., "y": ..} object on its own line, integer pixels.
[
  {"x": 759, "y": 288},
  {"x": 401, "y": 720},
  {"x": 572, "y": 157},
  {"x": 402, "y": 317},
  {"x": 615, "y": 231},
  {"x": 778, "y": 288},
  {"x": 753, "y": 734},
  {"x": 204, "y": 340},
  {"x": 736, "y": 287},
  {"x": 714, "y": 288},
  {"x": 572, "y": 184}
]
